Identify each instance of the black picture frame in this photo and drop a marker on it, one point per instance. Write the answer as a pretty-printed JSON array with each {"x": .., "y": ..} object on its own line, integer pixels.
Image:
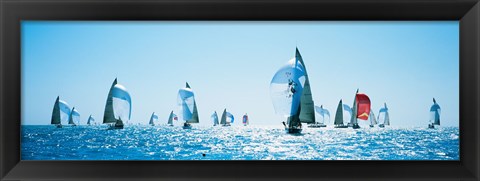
[{"x": 12, "y": 12}]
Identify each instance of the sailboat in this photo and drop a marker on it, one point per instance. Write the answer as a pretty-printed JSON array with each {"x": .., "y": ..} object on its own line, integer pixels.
[
  {"x": 383, "y": 116},
  {"x": 153, "y": 118},
  {"x": 118, "y": 107},
  {"x": 215, "y": 118},
  {"x": 373, "y": 120},
  {"x": 61, "y": 112},
  {"x": 227, "y": 118},
  {"x": 188, "y": 106},
  {"x": 339, "y": 115},
  {"x": 90, "y": 120},
  {"x": 74, "y": 117},
  {"x": 435, "y": 111},
  {"x": 360, "y": 110},
  {"x": 291, "y": 94},
  {"x": 245, "y": 120},
  {"x": 323, "y": 112},
  {"x": 172, "y": 117}
]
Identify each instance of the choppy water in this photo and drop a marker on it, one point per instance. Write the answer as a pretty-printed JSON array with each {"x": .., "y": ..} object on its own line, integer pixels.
[{"x": 237, "y": 143}]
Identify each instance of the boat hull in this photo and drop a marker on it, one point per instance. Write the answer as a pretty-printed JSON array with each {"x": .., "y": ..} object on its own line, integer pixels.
[
  {"x": 381, "y": 125},
  {"x": 187, "y": 126},
  {"x": 293, "y": 130},
  {"x": 317, "y": 126},
  {"x": 341, "y": 126},
  {"x": 355, "y": 126},
  {"x": 59, "y": 126}
]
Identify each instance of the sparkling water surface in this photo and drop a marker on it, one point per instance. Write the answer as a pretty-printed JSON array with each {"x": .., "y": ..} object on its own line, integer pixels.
[{"x": 237, "y": 143}]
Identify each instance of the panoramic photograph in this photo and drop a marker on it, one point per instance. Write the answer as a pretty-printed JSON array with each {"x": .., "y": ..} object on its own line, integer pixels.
[{"x": 240, "y": 90}]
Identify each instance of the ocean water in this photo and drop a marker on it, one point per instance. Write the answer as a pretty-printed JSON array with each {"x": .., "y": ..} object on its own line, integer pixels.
[{"x": 237, "y": 143}]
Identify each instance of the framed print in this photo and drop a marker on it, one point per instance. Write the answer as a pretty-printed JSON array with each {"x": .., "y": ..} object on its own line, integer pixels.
[{"x": 322, "y": 90}]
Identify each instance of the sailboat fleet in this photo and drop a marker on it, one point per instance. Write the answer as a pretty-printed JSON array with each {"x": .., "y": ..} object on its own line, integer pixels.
[{"x": 291, "y": 97}]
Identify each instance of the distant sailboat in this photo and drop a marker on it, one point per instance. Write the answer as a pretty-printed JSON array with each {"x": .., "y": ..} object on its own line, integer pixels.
[
  {"x": 61, "y": 112},
  {"x": 339, "y": 115},
  {"x": 90, "y": 120},
  {"x": 188, "y": 106},
  {"x": 118, "y": 107},
  {"x": 227, "y": 118},
  {"x": 373, "y": 120},
  {"x": 435, "y": 111},
  {"x": 383, "y": 116},
  {"x": 153, "y": 118},
  {"x": 291, "y": 94},
  {"x": 215, "y": 118},
  {"x": 245, "y": 120},
  {"x": 360, "y": 110},
  {"x": 74, "y": 117},
  {"x": 322, "y": 112},
  {"x": 172, "y": 117}
]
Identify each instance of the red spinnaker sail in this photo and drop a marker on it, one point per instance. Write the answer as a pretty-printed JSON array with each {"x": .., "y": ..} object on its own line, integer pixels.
[{"x": 363, "y": 109}]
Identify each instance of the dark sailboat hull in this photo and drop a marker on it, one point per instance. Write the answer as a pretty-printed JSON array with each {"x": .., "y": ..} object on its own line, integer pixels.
[{"x": 293, "y": 130}]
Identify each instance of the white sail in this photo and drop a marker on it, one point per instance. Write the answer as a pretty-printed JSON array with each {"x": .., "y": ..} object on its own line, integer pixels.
[
  {"x": 214, "y": 118},
  {"x": 286, "y": 88},
  {"x": 119, "y": 104},
  {"x": 187, "y": 105},
  {"x": 373, "y": 120},
  {"x": 74, "y": 117},
  {"x": 153, "y": 119},
  {"x": 383, "y": 117},
  {"x": 347, "y": 109},
  {"x": 186, "y": 99},
  {"x": 61, "y": 112},
  {"x": 435, "y": 111}
]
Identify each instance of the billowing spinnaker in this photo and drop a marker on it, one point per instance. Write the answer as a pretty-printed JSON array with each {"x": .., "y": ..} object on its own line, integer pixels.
[
  {"x": 363, "y": 106},
  {"x": 75, "y": 117},
  {"x": 322, "y": 112},
  {"x": 61, "y": 112},
  {"x": 230, "y": 117},
  {"x": 121, "y": 102},
  {"x": 186, "y": 102},
  {"x": 435, "y": 114},
  {"x": 347, "y": 109},
  {"x": 286, "y": 88}
]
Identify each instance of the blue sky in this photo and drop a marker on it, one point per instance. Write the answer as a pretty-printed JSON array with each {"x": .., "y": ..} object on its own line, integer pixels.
[{"x": 230, "y": 65}]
